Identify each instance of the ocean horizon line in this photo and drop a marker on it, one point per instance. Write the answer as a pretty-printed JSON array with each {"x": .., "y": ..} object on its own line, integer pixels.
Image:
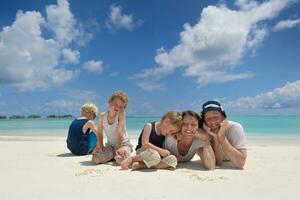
[{"x": 66, "y": 116}]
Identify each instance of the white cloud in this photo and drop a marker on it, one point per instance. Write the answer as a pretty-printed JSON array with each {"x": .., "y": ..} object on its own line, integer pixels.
[
  {"x": 81, "y": 94},
  {"x": 61, "y": 106},
  {"x": 147, "y": 106},
  {"x": 60, "y": 76},
  {"x": 117, "y": 20},
  {"x": 285, "y": 24},
  {"x": 246, "y": 4},
  {"x": 212, "y": 48},
  {"x": 65, "y": 26},
  {"x": 71, "y": 56},
  {"x": 286, "y": 97},
  {"x": 30, "y": 61},
  {"x": 143, "y": 109},
  {"x": 62, "y": 22},
  {"x": 94, "y": 66},
  {"x": 150, "y": 85}
]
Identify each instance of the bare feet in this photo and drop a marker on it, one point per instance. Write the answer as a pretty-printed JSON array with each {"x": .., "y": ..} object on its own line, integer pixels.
[
  {"x": 126, "y": 163},
  {"x": 118, "y": 160},
  {"x": 95, "y": 160},
  {"x": 138, "y": 165}
]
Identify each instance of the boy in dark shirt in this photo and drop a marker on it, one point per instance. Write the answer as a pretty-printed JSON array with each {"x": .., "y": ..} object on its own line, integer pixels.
[{"x": 82, "y": 131}]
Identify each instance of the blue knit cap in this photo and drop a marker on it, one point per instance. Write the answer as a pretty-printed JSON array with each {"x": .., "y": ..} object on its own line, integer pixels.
[{"x": 212, "y": 105}]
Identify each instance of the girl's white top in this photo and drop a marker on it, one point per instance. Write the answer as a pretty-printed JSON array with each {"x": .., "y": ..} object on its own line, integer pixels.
[{"x": 110, "y": 131}]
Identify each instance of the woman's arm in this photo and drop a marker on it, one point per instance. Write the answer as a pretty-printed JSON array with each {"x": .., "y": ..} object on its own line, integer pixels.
[{"x": 207, "y": 156}]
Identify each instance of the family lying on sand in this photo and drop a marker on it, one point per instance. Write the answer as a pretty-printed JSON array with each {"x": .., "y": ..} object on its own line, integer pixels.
[{"x": 176, "y": 137}]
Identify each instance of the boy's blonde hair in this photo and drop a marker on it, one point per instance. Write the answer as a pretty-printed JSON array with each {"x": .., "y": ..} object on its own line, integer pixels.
[
  {"x": 174, "y": 117},
  {"x": 121, "y": 95},
  {"x": 88, "y": 108}
]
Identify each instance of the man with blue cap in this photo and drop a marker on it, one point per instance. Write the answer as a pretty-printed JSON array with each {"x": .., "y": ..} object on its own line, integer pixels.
[{"x": 228, "y": 137}]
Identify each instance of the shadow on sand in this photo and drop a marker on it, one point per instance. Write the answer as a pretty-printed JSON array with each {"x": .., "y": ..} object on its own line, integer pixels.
[
  {"x": 63, "y": 155},
  {"x": 90, "y": 163},
  {"x": 193, "y": 165},
  {"x": 197, "y": 165}
]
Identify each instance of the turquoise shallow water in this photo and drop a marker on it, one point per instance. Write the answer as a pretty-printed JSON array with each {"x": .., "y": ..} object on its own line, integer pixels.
[{"x": 253, "y": 125}]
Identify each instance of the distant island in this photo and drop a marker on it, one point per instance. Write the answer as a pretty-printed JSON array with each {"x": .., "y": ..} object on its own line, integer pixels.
[
  {"x": 3, "y": 117},
  {"x": 59, "y": 116},
  {"x": 17, "y": 117},
  {"x": 34, "y": 116}
]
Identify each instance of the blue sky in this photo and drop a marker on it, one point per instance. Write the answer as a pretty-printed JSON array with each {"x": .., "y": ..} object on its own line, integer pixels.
[{"x": 167, "y": 55}]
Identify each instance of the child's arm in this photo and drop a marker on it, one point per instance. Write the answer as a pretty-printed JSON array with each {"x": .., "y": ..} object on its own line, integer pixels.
[
  {"x": 89, "y": 125},
  {"x": 100, "y": 145},
  {"x": 120, "y": 129},
  {"x": 147, "y": 144}
]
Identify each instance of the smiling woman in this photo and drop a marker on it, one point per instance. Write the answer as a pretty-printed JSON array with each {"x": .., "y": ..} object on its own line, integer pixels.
[{"x": 191, "y": 140}]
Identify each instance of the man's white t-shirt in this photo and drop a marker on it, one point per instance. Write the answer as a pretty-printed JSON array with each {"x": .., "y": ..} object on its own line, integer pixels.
[{"x": 236, "y": 136}]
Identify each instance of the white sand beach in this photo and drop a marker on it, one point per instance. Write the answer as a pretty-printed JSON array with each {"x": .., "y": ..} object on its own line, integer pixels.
[{"x": 42, "y": 168}]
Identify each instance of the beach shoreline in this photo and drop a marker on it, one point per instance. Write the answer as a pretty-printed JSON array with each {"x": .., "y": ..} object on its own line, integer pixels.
[
  {"x": 43, "y": 167},
  {"x": 251, "y": 139}
]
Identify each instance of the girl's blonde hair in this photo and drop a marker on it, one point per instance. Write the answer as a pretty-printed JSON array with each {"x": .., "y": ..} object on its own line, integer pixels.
[
  {"x": 88, "y": 108},
  {"x": 121, "y": 95},
  {"x": 174, "y": 117}
]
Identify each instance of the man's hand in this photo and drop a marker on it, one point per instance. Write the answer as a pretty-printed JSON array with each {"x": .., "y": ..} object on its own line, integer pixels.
[
  {"x": 223, "y": 130},
  {"x": 209, "y": 132}
]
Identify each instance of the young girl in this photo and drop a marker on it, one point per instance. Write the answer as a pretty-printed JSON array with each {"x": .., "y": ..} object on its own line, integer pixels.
[
  {"x": 80, "y": 140},
  {"x": 113, "y": 124},
  {"x": 149, "y": 149}
]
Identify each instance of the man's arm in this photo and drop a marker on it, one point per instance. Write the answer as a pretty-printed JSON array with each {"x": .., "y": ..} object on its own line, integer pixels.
[
  {"x": 215, "y": 144},
  {"x": 206, "y": 152},
  {"x": 236, "y": 156}
]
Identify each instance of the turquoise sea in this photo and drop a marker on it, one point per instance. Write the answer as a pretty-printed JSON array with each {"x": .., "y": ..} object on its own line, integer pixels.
[{"x": 253, "y": 125}]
